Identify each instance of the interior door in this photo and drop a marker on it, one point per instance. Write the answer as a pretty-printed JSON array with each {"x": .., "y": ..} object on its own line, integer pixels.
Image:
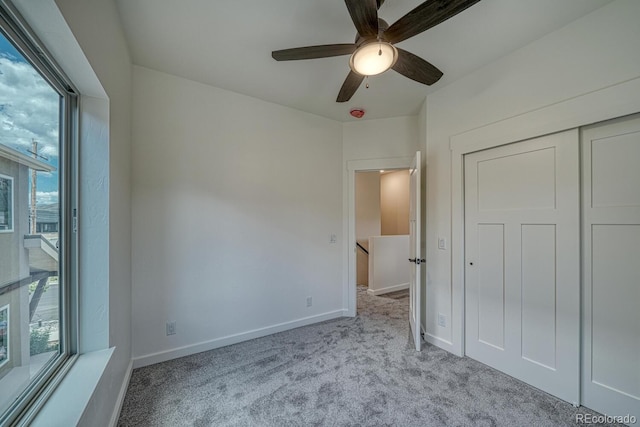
[
  {"x": 522, "y": 257},
  {"x": 611, "y": 271},
  {"x": 414, "y": 250}
]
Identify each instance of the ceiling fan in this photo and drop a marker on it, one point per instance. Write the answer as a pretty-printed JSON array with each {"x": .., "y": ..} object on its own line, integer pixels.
[{"x": 373, "y": 51}]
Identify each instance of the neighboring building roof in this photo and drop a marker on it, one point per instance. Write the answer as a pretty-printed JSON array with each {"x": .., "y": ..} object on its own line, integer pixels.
[
  {"x": 47, "y": 213},
  {"x": 23, "y": 159}
]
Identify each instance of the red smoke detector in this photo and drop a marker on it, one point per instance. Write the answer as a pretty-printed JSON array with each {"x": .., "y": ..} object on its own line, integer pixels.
[{"x": 358, "y": 113}]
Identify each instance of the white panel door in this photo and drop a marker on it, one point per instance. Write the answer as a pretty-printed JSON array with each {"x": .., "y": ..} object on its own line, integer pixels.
[
  {"x": 414, "y": 250},
  {"x": 522, "y": 256},
  {"x": 611, "y": 267}
]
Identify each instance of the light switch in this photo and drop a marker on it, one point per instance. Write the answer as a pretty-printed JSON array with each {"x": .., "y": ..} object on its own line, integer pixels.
[
  {"x": 442, "y": 243},
  {"x": 333, "y": 238},
  {"x": 442, "y": 320}
]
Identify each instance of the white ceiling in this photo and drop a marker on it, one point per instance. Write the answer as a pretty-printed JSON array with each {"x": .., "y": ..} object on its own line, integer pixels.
[{"x": 228, "y": 44}]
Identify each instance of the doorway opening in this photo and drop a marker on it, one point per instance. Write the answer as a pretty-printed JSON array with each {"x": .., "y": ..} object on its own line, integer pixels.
[
  {"x": 382, "y": 232},
  {"x": 355, "y": 167}
]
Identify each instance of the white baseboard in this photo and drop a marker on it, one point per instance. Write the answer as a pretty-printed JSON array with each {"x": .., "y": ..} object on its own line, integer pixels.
[
  {"x": 120, "y": 400},
  {"x": 187, "y": 350},
  {"x": 388, "y": 289}
]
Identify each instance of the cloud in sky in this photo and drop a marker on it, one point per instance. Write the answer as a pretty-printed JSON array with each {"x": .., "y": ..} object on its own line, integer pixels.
[
  {"x": 29, "y": 108},
  {"x": 46, "y": 197}
]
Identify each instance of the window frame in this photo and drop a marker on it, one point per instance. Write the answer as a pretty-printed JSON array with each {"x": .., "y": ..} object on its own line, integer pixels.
[
  {"x": 33, "y": 397},
  {"x": 11, "y": 203}
]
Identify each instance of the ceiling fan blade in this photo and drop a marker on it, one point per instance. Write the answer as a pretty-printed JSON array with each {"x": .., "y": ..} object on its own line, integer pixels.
[
  {"x": 349, "y": 87},
  {"x": 427, "y": 15},
  {"x": 364, "y": 14},
  {"x": 416, "y": 68},
  {"x": 311, "y": 52}
]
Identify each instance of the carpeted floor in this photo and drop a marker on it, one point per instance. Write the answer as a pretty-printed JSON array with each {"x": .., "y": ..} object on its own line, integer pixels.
[
  {"x": 402, "y": 296},
  {"x": 358, "y": 371}
]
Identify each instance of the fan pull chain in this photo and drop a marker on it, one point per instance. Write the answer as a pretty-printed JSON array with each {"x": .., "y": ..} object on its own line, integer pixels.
[{"x": 366, "y": 84}]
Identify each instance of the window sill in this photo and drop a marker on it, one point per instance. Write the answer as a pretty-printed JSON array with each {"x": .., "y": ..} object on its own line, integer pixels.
[{"x": 71, "y": 397}]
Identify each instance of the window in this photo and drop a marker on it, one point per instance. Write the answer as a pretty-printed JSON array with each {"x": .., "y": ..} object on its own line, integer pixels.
[
  {"x": 6, "y": 203},
  {"x": 38, "y": 115}
]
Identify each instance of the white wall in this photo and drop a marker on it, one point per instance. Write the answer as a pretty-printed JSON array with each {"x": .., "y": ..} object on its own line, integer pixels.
[
  {"x": 367, "y": 205},
  {"x": 234, "y": 202},
  {"x": 593, "y": 53},
  {"x": 394, "y": 203},
  {"x": 380, "y": 138},
  {"x": 388, "y": 267}
]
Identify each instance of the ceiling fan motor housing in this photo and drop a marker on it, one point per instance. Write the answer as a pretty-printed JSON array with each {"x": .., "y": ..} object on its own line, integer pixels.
[{"x": 382, "y": 27}]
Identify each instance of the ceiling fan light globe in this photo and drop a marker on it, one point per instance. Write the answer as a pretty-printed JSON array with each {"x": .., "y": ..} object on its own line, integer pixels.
[{"x": 373, "y": 58}]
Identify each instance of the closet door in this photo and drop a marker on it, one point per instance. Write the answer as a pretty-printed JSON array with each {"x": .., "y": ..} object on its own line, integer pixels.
[
  {"x": 611, "y": 267},
  {"x": 522, "y": 255}
]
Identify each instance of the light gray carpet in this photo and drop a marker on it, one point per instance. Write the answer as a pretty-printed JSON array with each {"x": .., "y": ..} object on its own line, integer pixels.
[
  {"x": 402, "y": 296},
  {"x": 347, "y": 372}
]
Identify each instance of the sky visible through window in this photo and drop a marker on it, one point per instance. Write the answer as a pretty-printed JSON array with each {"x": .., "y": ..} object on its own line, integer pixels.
[{"x": 29, "y": 110}]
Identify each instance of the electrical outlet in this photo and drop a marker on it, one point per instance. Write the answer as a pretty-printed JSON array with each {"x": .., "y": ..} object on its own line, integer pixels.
[
  {"x": 442, "y": 320},
  {"x": 309, "y": 301},
  {"x": 171, "y": 328}
]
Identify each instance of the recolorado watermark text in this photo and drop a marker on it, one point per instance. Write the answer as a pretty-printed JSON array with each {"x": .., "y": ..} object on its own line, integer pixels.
[{"x": 604, "y": 419}]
